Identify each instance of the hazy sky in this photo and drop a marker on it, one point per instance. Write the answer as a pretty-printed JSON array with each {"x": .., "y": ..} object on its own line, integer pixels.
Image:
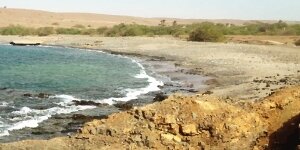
[{"x": 207, "y": 9}]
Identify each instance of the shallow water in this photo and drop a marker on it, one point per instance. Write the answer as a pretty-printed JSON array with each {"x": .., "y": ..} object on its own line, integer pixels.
[{"x": 65, "y": 74}]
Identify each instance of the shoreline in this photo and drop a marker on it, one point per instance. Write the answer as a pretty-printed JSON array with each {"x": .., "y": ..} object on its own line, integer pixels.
[
  {"x": 246, "y": 99},
  {"x": 161, "y": 71}
]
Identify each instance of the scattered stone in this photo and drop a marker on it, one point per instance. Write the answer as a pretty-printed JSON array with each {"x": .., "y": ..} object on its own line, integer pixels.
[
  {"x": 160, "y": 97},
  {"x": 4, "y": 88},
  {"x": 124, "y": 106},
  {"x": 150, "y": 142},
  {"x": 192, "y": 90},
  {"x": 189, "y": 85},
  {"x": 177, "y": 139},
  {"x": 111, "y": 132},
  {"x": 148, "y": 114},
  {"x": 170, "y": 119},
  {"x": 27, "y": 95},
  {"x": 84, "y": 103},
  {"x": 194, "y": 115},
  {"x": 151, "y": 125},
  {"x": 189, "y": 130},
  {"x": 136, "y": 138},
  {"x": 284, "y": 80},
  {"x": 82, "y": 137},
  {"x": 87, "y": 118},
  {"x": 168, "y": 137},
  {"x": 207, "y": 93},
  {"x": 43, "y": 95}
]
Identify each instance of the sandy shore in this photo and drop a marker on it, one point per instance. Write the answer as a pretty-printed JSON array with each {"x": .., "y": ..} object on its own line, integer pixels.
[{"x": 239, "y": 74}]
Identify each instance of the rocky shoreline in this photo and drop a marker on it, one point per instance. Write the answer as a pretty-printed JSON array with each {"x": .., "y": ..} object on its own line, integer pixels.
[
  {"x": 195, "y": 122},
  {"x": 247, "y": 105},
  {"x": 175, "y": 78}
]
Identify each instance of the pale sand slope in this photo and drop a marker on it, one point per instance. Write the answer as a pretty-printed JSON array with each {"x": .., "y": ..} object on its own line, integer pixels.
[
  {"x": 35, "y": 18},
  {"x": 239, "y": 71}
]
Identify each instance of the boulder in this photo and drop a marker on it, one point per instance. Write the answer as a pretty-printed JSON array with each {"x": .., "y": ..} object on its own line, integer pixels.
[
  {"x": 169, "y": 138},
  {"x": 27, "y": 95},
  {"x": 78, "y": 103},
  {"x": 189, "y": 129},
  {"x": 43, "y": 95},
  {"x": 170, "y": 119},
  {"x": 124, "y": 106},
  {"x": 160, "y": 97}
]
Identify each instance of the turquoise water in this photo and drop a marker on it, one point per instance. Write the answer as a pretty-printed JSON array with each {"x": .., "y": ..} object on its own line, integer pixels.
[{"x": 66, "y": 74}]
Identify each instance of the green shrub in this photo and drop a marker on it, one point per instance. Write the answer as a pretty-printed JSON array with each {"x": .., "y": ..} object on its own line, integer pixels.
[
  {"x": 297, "y": 42},
  {"x": 101, "y": 30},
  {"x": 71, "y": 31},
  {"x": 89, "y": 32},
  {"x": 150, "y": 34},
  {"x": 45, "y": 31},
  {"x": 206, "y": 33},
  {"x": 17, "y": 30}
]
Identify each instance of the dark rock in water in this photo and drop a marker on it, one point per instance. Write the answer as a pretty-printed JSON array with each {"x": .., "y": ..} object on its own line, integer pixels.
[
  {"x": 41, "y": 132},
  {"x": 43, "y": 95},
  {"x": 160, "y": 86},
  {"x": 124, "y": 106},
  {"x": 78, "y": 103},
  {"x": 192, "y": 90},
  {"x": 4, "y": 88},
  {"x": 27, "y": 95},
  {"x": 87, "y": 118},
  {"x": 70, "y": 130},
  {"x": 40, "y": 107},
  {"x": 160, "y": 97}
]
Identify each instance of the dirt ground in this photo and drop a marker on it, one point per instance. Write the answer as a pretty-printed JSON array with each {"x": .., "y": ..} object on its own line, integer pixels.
[
  {"x": 263, "y": 39},
  {"x": 37, "y": 18}
]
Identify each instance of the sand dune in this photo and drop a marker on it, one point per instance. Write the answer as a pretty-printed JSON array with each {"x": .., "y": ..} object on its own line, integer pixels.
[{"x": 37, "y": 18}]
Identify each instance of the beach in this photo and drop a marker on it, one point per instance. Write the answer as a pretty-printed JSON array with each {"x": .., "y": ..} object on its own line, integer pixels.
[
  {"x": 241, "y": 71},
  {"x": 239, "y": 86}
]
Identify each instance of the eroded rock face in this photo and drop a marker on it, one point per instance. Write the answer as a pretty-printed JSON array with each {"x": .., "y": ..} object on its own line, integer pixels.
[{"x": 181, "y": 122}]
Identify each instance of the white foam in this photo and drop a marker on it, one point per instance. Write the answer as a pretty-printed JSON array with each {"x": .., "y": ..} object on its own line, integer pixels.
[
  {"x": 5, "y": 133},
  {"x": 3, "y": 104},
  {"x": 66, "y": 99},
  {"x": 134, "y": 93},
  {"x": 40, "y": 116},
  {"x": 23, "y": 111}
]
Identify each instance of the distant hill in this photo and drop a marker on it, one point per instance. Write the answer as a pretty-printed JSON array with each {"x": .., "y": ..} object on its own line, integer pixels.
[{"x": 37, "y": 18}]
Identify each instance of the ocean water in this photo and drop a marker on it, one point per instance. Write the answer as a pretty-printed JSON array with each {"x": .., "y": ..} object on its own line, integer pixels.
[{"x": 66, "y": 74}]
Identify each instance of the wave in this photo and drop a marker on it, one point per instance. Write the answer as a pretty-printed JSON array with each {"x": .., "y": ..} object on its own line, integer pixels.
[
  {"x": 134, "y": 93},
  {"x": 66, "y": 106},
  {"x": 38, "y": 116},
  {"x": 3, "y": 104}
]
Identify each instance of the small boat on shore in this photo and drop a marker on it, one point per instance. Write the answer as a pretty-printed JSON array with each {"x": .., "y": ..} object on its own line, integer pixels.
[{"x": 24, "y": 43}]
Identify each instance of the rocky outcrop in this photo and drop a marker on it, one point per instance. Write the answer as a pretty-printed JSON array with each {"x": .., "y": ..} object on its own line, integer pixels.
[
  {"x": 191, "y": 122},
  {"x": 179, "y": 122}
]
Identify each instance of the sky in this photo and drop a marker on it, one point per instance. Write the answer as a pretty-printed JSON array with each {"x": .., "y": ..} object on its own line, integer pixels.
[{"x": 194, "y": 9}]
